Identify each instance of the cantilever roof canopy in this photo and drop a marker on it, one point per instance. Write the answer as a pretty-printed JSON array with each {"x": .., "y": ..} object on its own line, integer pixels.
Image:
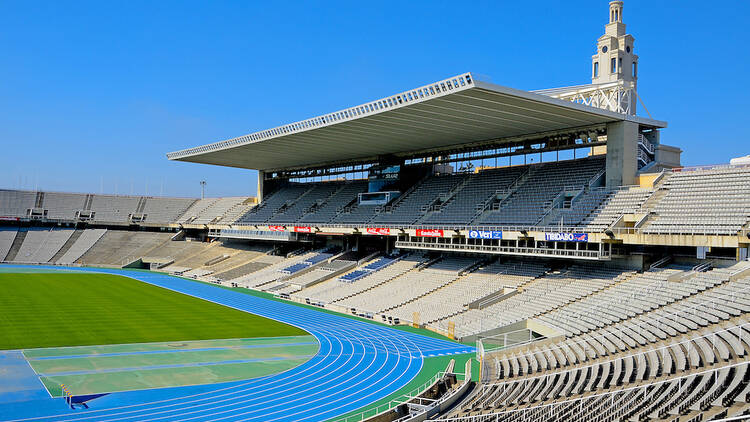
[{"x": 449, "y": 113}]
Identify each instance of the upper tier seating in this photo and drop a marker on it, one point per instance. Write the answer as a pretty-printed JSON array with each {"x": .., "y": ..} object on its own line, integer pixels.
[
  {"x": 114, "y": 209},
  {"x": 15, "y": 203},
  {"x": 165, "y": 210},
  {"x": 315, "y": 195},
  {"x": 462, "y": 207},
  {"x": 617, "y": 203},
  {"x": 411, "y": 206},
  {"x": 715, "y": 201},
  {"x": 195, "y": 210},
  {"x": 107, "y": 208},
  {"x": 283, "y": 197},
  {"x": 356, "y": 214},
  {"x": 205, "y": 211},
  {"x": 63, "y": 206},
  {"x": 534, "y": 196},
  {"x": 234, "y": 213},
  {"x": 582, "y": 206},
  {"x": 327, "y": 210}
]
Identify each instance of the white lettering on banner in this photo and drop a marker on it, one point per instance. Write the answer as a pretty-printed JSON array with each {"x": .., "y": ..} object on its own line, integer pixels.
[
  {"x": 429, "y": 233},
  {"x": 567, "y": 237},
  {"x": 485, "y": 234}
]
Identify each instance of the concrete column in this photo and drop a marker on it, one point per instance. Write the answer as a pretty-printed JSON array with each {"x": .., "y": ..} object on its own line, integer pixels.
[
  {"x": 622, "y": 144},
  {"x": 261, "y": 176}
]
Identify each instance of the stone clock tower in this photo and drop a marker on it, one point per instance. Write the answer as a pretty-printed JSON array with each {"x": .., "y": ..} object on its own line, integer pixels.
[{"x": 615, "y": 59}]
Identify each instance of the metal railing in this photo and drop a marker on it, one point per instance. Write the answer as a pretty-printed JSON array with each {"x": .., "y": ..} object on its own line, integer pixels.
[
  {"x": 511, "y": 250},
  {"x": 550, "y": 409},
  {"x": 401, "y": 399},
  {"x": 584, "y": 345}
]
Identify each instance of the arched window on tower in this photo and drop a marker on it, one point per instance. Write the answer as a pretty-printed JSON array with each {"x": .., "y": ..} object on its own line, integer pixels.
[
  {"x": 635, "y": 69},
  {"x": 596, "y": 69},
  {"x": 613, "y": 65}
]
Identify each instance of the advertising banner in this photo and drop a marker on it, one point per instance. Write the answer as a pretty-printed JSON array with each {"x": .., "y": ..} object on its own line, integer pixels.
[
  {"x": 567, "y": 237},
  {"x": 298, "y": 229},
  {"x": 429, "y": 233},
  {"x": 277, "y": 228},
  {"x": 382, "y": 231},
  {"x": 485, "y": 234}
]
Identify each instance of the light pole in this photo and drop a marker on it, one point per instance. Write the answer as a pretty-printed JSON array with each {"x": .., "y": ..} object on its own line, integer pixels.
[{"x": 203, "y": 188}]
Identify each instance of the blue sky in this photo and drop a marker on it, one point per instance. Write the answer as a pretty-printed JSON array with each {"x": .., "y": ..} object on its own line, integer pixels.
[{"x": 93, "y": 94}]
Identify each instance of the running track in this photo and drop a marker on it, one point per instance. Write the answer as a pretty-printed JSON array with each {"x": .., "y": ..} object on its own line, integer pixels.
[{"x": 357, "y": 364}]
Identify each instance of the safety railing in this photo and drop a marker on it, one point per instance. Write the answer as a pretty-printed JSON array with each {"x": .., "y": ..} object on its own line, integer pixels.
[
  {"x": 510, "y": 250},
  {"x": 584, "y": 345},
  {"x": 711, "y": 338},
  {"x": 401, "y": 399},
  {"x": 550, "y": 410}
]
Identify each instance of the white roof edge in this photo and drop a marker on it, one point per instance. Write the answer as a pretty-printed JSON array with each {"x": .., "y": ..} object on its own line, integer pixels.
[
  {"x": 534, "y": 96},
  {"x": 413, "y": 96},
  {"x": 416, "y": 95}
]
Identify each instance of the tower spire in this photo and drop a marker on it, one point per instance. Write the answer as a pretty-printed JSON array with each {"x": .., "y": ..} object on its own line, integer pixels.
[
  {"x": 615, "y": 11},
  {"x": 615, "y": 59}
]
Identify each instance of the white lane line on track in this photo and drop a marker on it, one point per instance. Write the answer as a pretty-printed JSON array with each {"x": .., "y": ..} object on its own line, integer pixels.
[
  {"x": 315, "y": 386},
  {"x": 89, "y": 414},
  {"x": 355, "y": 385},
  {"x": 213, "y": 401},
  {"x": 371, "y": 329},
  {"x": 362, "y": 398},
  {"x": 235, "y": 397}
]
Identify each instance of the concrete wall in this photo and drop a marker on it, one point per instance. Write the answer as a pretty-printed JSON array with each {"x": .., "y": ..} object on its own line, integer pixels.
[{"x": 622, "y": 141}]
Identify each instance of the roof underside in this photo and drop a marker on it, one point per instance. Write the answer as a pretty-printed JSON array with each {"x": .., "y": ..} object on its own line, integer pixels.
[{"x": 464, "y": 111}]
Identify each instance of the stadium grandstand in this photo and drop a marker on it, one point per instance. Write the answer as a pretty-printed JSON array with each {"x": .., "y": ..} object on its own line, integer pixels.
[{"x": 611, "y": 284}]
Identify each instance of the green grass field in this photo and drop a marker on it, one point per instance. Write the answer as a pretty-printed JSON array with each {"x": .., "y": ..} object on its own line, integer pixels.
[
  {"x": 77, "y": 309},
  {"x": 138, "y": 366}
]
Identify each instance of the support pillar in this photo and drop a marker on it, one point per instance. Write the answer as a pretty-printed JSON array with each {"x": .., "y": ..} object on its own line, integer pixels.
[
  {"x": 622, "y": 149},
  {"x": 261, "y": 176}
]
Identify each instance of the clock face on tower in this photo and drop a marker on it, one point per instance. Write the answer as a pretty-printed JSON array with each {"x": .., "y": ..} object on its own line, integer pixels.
[{"x": 604, "y": 49}]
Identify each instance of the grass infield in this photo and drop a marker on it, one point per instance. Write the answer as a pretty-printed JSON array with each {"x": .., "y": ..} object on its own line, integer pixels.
[{"x": 77, "y": 309}]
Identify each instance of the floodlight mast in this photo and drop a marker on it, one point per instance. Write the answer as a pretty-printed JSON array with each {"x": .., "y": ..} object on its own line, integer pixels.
[{"x": 203, "y": 189}]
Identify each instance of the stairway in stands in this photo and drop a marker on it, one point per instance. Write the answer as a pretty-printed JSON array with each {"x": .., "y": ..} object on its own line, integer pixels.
[
  {"x": 71, "y": 240},
  {"x": 17, "y": 242},
  {"x": 87, "y": 202},
  {"x": 39, "y": 202},
  {"x": 649, "y": 205},
  {"x": 141, "y": 205}
]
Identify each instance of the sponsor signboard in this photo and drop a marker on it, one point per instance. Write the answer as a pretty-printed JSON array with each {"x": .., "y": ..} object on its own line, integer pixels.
[
  {"x": 298, "y": 229},
  {"x": 277, "y": 228},
  {"x": 382, "y": 231},
  {"x": 485, "y": 234},
  {"x": 429, "y": 233},
  {"x": 567, "y": 237}
]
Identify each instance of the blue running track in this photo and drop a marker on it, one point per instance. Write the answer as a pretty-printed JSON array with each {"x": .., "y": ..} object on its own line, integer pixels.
[{"x": 357, "y": 364}]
